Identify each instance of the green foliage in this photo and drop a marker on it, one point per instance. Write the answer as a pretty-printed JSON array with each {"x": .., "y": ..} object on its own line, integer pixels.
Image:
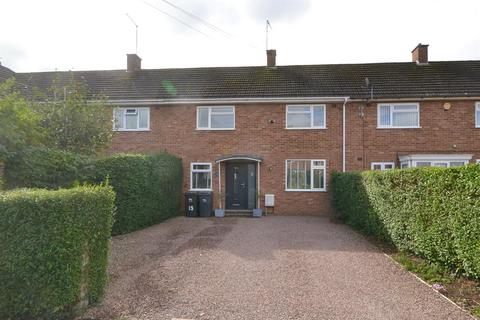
[
  {"x": 476, "y": 311},
  {"x": 40, "y": 167},
  {"x": 54, "y": 249},
  {"x": 19, "y": 125},
  {"x": 148, "y": 187},
  {"x": 431, "y": 212},
  {"x": 73, "y": 123},
  {"x": 430, "y": 272}
]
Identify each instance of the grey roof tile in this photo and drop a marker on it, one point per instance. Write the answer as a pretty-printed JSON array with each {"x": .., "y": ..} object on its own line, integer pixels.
[{"x": 389, "y": 80}]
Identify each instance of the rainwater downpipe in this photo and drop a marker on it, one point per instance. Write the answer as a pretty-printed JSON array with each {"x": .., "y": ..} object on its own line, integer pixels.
[{"x": 344, "y": 138}]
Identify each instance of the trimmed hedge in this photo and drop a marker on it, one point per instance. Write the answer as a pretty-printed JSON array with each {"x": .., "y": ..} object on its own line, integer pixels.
[
  {"x": 432, "y": 212},
  {"x": 148, "y": 187},
  {"x": 40, "y": 167},
  {"x": 54, "y": 250}
]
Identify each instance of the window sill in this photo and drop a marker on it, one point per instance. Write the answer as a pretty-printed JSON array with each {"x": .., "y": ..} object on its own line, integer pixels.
[
  {"x": 200, "y": 190},
  {"x": 305, "y": 190},
  {"x": 307, "y": 128},
  {"x": 215, "y": 129},
  {"x": 399, "y": 127},
  {"x": 132, "y": 130}
]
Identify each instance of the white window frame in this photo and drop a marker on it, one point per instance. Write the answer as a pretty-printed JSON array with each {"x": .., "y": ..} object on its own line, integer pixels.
[
  {"x": 210, "y": 108},
  {"x": 410, "y": 161},
  {"x": 382, "y": 165},
  {"x": 392, "y": 105},
  {"x": 477, "y": 120},
  {"x": 478, "y": 161},
  {"x": 324, "y": 168},
  {"x": 287, "y": 112},
  {"x": 124, "y": 118},
  {"x": 192, "y": 171}
]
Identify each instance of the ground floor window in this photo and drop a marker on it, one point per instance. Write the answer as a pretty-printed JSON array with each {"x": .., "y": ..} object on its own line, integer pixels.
[
  {"x": 382, "y": 166},
  {"x": 305, "y": 175},
  {"x": 201, "y": 176},
  {"x": 434, "y": 160}
]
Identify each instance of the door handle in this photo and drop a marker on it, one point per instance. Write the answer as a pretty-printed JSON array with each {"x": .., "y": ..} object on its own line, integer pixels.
[{"x": 242, "y": 185}]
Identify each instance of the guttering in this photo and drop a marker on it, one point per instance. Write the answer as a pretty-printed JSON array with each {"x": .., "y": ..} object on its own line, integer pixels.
[
  {"x": 344, "y": 138},
  {"x": 418, "y": 99},
  {"x": 132, "y": 102}
]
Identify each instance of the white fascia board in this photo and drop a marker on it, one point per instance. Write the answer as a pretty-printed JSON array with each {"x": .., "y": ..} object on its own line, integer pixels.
[{"x": 132, "y": 102}]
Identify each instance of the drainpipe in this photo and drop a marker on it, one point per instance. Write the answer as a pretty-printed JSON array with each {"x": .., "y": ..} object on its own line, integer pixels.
[{"x": 344, "y": 134}]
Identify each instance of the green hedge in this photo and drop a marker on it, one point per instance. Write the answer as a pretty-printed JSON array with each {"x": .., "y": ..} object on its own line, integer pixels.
[
  {"x": 53, "y": 249},
  {"x": 40, "y": 167},
  {"x": 432, "y": 212},
  {"x": 148, "y": 187}
]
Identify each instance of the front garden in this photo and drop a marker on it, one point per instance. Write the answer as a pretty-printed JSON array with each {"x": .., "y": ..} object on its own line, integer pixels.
[{"x": 430, "y": 215}]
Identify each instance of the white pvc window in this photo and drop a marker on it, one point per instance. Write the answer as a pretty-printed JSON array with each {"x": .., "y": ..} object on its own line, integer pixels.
[
  {"x": 477, "y": 115},
  {"x": 438, "y": 163},
  {"x": 305, "y": 175},
  {"x": 382, "y": 166},
  {"x": 201, "y": 176},
  {"x": 306, "y": 117},
  {"x": 216, "y": 118},
  {"x": 131, "y": 119},
  {"x": 401, "y": 115}
]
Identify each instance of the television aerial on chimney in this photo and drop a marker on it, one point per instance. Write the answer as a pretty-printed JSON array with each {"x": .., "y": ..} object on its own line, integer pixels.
[{"x": 136, "y": 32}]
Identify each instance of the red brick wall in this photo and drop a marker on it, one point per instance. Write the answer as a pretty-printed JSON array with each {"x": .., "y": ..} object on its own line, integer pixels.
[
  {"x": 442, "y": 131},
  {"x": 173, "y": 129}
]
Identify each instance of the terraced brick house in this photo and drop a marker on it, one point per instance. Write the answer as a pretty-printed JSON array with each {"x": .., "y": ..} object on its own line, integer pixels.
[{"x": 283, "y": 130}]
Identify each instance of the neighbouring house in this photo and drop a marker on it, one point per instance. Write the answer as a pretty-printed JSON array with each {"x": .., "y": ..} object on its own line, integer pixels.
[{"x": 282, "y": 130}]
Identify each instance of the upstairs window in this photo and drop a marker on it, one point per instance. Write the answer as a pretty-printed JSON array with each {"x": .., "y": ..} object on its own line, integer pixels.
[
  {"x": 306, "y": 117},
  {"x": 402, "y": 115},
  {"x": 216, "y": 118},
  {"x": 131, "y": 119},
  {"x": 477, "y": 115},
  {"x": 201, "y": 176}
]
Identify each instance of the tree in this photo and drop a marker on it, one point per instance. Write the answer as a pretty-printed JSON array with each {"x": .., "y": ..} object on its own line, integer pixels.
[
  {"x": 19, "y": 124},
  {"x": 74, "y": 123}
]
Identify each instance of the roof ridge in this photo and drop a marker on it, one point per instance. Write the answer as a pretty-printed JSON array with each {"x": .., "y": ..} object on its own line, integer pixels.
[{"x": 251, "y": 67}]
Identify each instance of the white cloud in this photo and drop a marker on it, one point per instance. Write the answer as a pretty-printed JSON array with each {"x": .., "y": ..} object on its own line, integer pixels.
[{"x": 92, "y": 34}]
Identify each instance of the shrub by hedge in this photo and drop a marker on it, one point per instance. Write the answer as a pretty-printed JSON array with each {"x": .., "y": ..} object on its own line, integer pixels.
[
  {"x": 148, "y": 188},
  {"x": 53, "y": 249},
  {"x": 40, "y": 167},
  {"x": 432, "y": 212}
]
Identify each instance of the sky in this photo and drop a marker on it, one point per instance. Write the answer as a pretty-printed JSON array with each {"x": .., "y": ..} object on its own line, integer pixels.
[{"x": 52, "y": 35}]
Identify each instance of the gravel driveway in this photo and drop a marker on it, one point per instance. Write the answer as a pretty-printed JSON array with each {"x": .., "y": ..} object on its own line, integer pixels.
[{"x": 268, "y": 268}]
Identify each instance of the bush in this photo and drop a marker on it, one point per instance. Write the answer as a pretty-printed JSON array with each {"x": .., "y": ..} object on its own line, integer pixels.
[
  {"x": 148, "y": 187},
  {"x": 40, "y": 167},
  {"x": 431, "y": 212},
  {"x": 54, "y": 248}
]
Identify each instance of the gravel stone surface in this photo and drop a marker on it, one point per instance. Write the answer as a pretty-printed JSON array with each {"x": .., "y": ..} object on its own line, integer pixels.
[{"x": 275, "y": 267}]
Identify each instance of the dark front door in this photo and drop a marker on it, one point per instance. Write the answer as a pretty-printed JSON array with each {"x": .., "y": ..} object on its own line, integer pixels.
[{"x": 240, "y": 186}]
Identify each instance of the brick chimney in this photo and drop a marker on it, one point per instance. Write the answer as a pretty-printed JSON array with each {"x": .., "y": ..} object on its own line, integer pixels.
[
  {"x": 420, "y": 54},
  {"x": 134, "y": 63},
  {"x": 271, "y": 58}
]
